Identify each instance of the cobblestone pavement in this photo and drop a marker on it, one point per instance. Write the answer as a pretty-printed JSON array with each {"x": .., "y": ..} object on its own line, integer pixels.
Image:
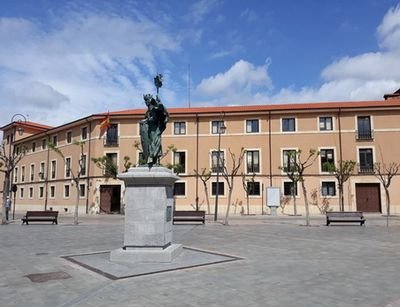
[{"x": 285, "y": 264}]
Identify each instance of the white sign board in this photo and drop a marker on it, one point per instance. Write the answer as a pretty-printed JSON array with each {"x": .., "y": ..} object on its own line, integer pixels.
[{"x": 273, "y": 197}]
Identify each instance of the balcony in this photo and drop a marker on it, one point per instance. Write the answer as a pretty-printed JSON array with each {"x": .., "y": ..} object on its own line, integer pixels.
[
  {"x": 111, "y": 142},
  {"x": 364, "y": 135},
  {"x": 366, "y": 169}
]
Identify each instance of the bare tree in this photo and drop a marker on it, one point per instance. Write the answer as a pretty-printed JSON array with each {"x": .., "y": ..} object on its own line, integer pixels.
[
  {"x": 385, "y": 172},
  {"x": 108, "y": 166},
  {"x": 204, "y": 177},
  {"x": 75, "y": 175},
  {"x": 342, "y": 172},
  {"x": 7, "y": 164},
  {"x": 291, "y": 171},
  {"x": 296, "y": 169},
  {"x": 229, "y": 176},
  {"x": 248, "y": 186}
]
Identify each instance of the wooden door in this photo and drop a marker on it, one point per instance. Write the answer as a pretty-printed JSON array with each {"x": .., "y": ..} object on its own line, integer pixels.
[
  {"x": 368, "y": 197},
  {"x": 105, "y": 198}
]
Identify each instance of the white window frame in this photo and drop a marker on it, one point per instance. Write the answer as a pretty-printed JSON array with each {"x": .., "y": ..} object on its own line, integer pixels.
[
  {"x": 86, "y": 164},
  {"x": 22, "y": 173},
  {"x": 84, "y": 189},
  {"x": 65, "y": 185},
  {"x": 358, "y": 155},
  {"x": 259, "y": 160},
  {"x": 295, "y": 124},
  {"x": 328, "y": 196},
  {"x": 282, "y": 160},
  {"x": 261, "y": 190},
  {"x": 32, "y": 172},
  {"x": 185, "y": 195},
  {"x": 333, "y": 123},
  {"x": 217, "y": 120},
  {"x": 51, "y": 169},
  {"x": 259, "y": 126},
  {"x": 179, "y": 121},
  {"x": 65, "y": 167},
  {"x": 186, "y": 159},
  {"x": 211, "y": 164},
  {"x": 55, "y": 191},
  {"x": 221, "y": 180},
  {"x": 87, "y": 133},
  {"x": 44, "y": 170},
  {"x": 319, "y": 160},
  {"x": 283, "y": 189},
  {"x": 39, "y": 187},
  {"x": 66, "y": 137},
  {"x": 31, "y": 188}
]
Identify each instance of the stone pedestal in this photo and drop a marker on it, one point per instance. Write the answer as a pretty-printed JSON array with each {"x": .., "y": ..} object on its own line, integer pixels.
[
  {"x": 148, "y": 216},
  {"x": 273, "y": 211}
]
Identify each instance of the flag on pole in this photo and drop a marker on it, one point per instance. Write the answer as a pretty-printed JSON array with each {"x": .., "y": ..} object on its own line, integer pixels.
[{"x": 105, "y": 123}]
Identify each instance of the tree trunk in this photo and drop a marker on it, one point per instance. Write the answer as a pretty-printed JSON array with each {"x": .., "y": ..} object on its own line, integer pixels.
[
  {"x": 303, "y": 186},
  {"x": 247, "y": 203},
  {"x": 228, "y": 206},
  {"x": 387, "y": 206},
  {"x": 76, "y": 205},
  {"x": 6, "y": 189},
  {"x": 341, "y": 197},
  {"x": 207, "y": 199},
  {"x": 294, "y": 201}
]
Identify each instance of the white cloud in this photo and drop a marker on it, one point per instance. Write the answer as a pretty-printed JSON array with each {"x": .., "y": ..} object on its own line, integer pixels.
[
  {"x": 242, "y": 76},
  {"x": 200, "y": 9},
  {"x": 366, "y": 76},
  {"x": 80, "y": 64}
]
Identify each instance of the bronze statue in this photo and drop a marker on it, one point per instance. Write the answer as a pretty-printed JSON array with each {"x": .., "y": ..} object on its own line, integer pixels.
[{"x": 152, "y": 126}]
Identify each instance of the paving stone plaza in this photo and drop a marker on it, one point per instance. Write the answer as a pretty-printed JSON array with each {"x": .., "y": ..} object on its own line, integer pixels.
[{"x": 273, "y": 261}]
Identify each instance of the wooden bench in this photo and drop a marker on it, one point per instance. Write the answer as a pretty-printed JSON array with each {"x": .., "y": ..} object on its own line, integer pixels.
[
  {"x": 189, "y": 216},
  {"x": 40, "y": 216},
  {"x": 344, "y": 217}
]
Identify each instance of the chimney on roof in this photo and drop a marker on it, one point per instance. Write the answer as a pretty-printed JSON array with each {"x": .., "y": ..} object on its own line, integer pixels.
[{"x": 395, "y": 95}]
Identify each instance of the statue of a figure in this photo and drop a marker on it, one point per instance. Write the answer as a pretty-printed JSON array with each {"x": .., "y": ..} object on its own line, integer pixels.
[{"x": 152, "y": 126}]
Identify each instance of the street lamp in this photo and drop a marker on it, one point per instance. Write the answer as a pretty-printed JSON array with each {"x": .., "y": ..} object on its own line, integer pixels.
[
  {"x": 221, "y": 130},
  {"x": 20, "y": 130}
]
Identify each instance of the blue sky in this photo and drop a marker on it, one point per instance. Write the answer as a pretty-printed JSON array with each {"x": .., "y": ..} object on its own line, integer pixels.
[{"x": 62, "y": 60}]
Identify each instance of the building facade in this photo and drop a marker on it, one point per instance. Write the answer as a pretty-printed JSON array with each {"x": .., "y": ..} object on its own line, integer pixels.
[{"x": 365, "y": 132}]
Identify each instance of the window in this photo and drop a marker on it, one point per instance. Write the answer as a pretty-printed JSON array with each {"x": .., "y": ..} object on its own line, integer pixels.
[
  {"x": 217, "y": 127},
  {"x": 179, "y": 128},
  {"x": 55, "y": 140},
  {"x": 52, "y": 191},
  {"x": 33, "y": 147},
  {"x": 69, "y": 137},
  {"x": 16, "y": 150},
  {"x": 68, "y": 167},
  {"x": 288, "y": 124},
  {"x": 217, "y": 161},
  {"x": 328, "y": 188},
  {"x": 325, "y": 123},
  {"x": 16, "y": 175},
  {"x": 289, "y": 159},
  {"x": 252, "y": 126},
  {"x": 221, "y": 188},
  {"x": 180, "y": 161},
  {"x": 364, "y": 131},
  {"x": 253, "y": 188},
  {"x": 41, "y": 192},
  {"x": 21, "y": 193},
  {"x": 84, "y": 133},
  {"x": 83, "y": 165},
  {"x": 327, "y": 157},
  {"x": 141, "y": 160},
  {"x": 44, "y": 144},
  {"x": 32, "y": 172},
  {"x": 66, "y": 191},
  {"x": 111, "y": 170},
  {"x": 112, "y": 135},
  {"x": 179, "y": 189},
  {"x": 31, "y": 192},
  {"x": 289, "y": 188},
  {"x": 53, "y": 169},
  {"x": 22, "y": 173},
  {"x": 41, "y": 173},
  {"x": 366, "y": 160},
  {"x": 8, "y": 139},
  {"x": 253, "y": 161},
  {"x": 82, "y": 190}
]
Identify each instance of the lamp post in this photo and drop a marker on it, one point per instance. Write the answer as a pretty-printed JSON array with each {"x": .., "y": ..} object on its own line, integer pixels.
[
  {"x": 221, "y": 130},
  {"x": 11, "y": 165}
]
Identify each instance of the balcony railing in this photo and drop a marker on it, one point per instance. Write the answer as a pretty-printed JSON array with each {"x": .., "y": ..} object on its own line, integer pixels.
[
  {"x": 111, "y": 142},
  {"x": 364, "y": 135},
  {"x": 366, "y": 169}
]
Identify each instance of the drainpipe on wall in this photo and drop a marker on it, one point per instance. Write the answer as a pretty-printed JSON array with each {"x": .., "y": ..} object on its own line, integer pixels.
[
  {"x": 88, "y": 168},
  {"x": 197, "y": 161}
]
